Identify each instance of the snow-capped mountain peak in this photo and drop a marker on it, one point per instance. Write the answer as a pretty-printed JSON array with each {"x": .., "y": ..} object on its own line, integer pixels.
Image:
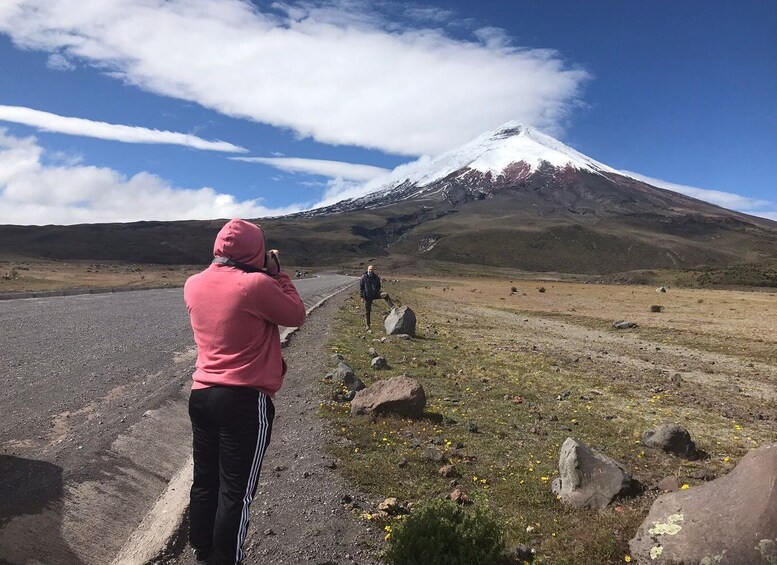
[
  {"x": 506, "y": 155},
  {"x": 492, "y": 152}
]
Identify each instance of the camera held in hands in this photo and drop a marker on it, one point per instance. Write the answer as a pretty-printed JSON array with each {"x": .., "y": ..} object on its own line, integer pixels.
[{"x": 272, "y": 264}]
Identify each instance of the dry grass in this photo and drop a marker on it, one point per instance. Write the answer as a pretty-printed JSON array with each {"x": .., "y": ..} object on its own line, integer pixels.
[
  {"x": 479, "y": 348},
  {"x": 35, "y": 276}
]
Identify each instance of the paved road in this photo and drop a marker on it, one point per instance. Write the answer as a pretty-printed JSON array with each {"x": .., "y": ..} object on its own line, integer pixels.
[{"x": 88, "y": 382}]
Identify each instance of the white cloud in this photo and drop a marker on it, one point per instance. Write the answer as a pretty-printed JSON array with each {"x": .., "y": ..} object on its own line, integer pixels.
[
  {"x": 339, "y": 72},
  {"x": 752, "y": 206},
  {"x": 322, "y": 167},
  {"x": 58, "y": 62},
  {"x": 46, "y": 121},
  {"x": 32, "y": 192}
]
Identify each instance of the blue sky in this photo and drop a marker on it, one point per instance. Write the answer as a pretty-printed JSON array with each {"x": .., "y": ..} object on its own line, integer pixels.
[{"x": 121, "y": 110}]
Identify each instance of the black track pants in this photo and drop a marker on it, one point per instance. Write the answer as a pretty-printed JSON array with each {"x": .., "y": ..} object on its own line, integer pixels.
[
  {"x": 368, "y": 305},
  {"x": 231, "y": 427}
]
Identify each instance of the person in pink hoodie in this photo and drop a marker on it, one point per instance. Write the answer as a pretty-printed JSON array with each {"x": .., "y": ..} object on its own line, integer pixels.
[{"x": 235, "y": 307}]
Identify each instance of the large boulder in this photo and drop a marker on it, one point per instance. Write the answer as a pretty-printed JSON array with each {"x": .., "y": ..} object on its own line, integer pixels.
[
  {"x": 672, "y": 438},
  {"x": 400, "y": 395},
  {"x": 731, "y": 520},
  {"x": 400, "y": 321},
  {"x": 588, "y": 478}
]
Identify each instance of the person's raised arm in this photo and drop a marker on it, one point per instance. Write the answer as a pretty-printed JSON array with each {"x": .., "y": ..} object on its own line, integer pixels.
[{"x": 280, "y": 303}]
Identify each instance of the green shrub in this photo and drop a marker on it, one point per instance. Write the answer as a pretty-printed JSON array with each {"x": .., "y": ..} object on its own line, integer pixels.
[{"x": 443, "y": 533}]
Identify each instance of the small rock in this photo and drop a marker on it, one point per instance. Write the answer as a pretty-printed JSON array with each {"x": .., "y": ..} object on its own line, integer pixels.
[
  {"x": 379, "y": 363},
  {"x": 459, "y": 497},
  {"x": 669, "y": 484},
  {"x": 390, "y": 506},
  {"x": 337, "y": 358},
  {"x": 623, "y": 325},
  {"x": 672, "y": 438},
  {"x": 433, "y": 454},
  {"x": 522, "y": 553},
  {"x": 448, "y": 471},
  {"x": 472, "y": 427},
  {"x": 702, "y": 475}
]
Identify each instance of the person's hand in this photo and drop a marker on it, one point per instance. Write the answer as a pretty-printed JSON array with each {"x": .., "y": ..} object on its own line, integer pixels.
[{"x": 273, "y": 262}]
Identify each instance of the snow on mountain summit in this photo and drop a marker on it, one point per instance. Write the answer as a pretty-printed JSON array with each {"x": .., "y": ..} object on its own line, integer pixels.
[
  {"x": 493, "y": 152},
  {"x": 510, "y": 153}
]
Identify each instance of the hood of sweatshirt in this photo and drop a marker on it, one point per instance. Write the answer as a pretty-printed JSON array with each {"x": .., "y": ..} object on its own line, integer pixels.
[{"x": 241, "y": 241}]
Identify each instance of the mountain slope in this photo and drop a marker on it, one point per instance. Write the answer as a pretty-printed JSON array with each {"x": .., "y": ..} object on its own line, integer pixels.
[{"x": 513, "y": 197}]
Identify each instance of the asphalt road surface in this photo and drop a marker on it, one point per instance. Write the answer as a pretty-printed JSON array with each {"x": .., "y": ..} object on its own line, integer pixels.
[{"x": 93, "y": 416}]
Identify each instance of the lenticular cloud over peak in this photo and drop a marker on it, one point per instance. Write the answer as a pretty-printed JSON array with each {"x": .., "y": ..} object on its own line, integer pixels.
[{"x": 340, "y": 73}]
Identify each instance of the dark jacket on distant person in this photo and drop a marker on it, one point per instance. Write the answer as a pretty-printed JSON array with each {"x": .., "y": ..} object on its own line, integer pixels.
[{"x": 369, "y": 287}]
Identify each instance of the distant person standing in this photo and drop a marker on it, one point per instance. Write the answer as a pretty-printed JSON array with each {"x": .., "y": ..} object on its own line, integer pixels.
[
  {"x": 235, "y": 307},
  {"x": 369, "y": 289}
]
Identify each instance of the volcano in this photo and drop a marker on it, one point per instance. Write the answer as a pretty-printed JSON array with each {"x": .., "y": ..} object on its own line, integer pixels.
[
  {"x": 511, "y": 198},
  {"x": 517, "y": 197}
]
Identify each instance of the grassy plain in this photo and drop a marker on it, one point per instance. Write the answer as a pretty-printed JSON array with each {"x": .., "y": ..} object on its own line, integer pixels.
[
  {"x": 501, "y": 359},
  {"x": 41, "y": 275}
]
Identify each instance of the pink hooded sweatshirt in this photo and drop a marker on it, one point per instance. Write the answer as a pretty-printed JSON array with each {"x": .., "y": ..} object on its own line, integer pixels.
[{"x": 235, "y": 315}]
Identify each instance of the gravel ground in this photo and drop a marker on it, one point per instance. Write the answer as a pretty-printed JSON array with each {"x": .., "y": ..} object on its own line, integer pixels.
[{"x": 297, "y": 515}]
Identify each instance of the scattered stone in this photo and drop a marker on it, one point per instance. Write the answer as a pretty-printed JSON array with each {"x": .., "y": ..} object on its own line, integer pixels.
[
  {"x": 623, "y": 325},
  {"x": 517, "y": 400},
  {"x": 661, "y": 289},
  {"x": 522, "y": 553},
  {"x": 379, "y": 363},
  {"x": 402, "y": 463},
  {"x": 390, "y": 506},
  {"x": 400, "y": 320},
  {"x": 459, "y": 497},
  {"x": 404, "y": 336},
  {"x": 344, "y": 374},
  {"x": 732, "y": 519},
  {"x": 434, "y": 454},
  {"x": 676, "y": 380},
  {"x": 669, "y": 484},
  {"x": 400, "y": 395},
  {"x": 472, "y": 427},
  {"x": 448, "y": 471},
  {"x": 336, "y": 358},
  {"x": 342, "y": 371},
  {"x": 373, "y": 353},
  {"x": 269, "y": 532},
  {"x": 564, "y": 395},
  {"x": 672, "y": 438},
  {"x": 588, "y": 478},
  {"x": 702, "y": 475}
]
